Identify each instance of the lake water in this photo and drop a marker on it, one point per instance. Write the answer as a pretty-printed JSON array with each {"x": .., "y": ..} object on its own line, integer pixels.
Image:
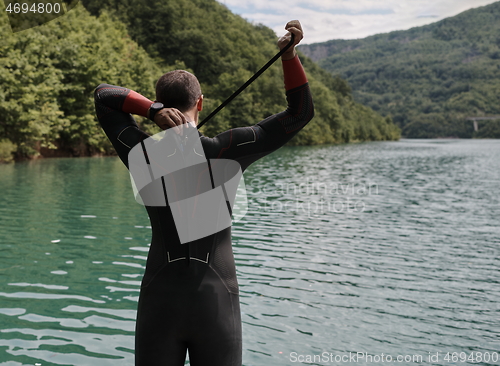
[{"x": 388, "y": 250}]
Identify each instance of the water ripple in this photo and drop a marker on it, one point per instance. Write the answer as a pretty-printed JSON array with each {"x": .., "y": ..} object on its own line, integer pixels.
[{"x": 388, "y": 247}]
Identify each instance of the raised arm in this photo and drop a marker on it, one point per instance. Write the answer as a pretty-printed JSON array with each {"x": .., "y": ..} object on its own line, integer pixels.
[
  {"x": 114, "y": 105},
  {"x": 114, "y": 108},
  {"x": 247, "y": 144}
]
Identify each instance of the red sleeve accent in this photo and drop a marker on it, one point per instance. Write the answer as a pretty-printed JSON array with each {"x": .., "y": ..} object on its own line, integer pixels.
[
  {"x": 294, "y": 73},
  {"x": 137, "y": 104}
]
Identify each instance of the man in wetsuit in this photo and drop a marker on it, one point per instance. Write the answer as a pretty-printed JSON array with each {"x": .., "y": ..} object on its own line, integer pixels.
[{"x": 189, "y": 294}]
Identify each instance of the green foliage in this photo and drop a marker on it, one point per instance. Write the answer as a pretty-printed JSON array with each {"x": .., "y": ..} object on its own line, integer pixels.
[
  {"x": 488, "y": 129},
  {"x": 30, "y": 85},
  {"x": 7, "y": 149},
  {"x": 48, "y": 74},
  {"x": 429, "y": 79},
  {"x": 223, "y": 51}
]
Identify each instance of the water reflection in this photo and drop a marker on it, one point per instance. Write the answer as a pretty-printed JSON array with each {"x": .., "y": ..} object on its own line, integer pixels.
[{"x": 413, "y": 270}]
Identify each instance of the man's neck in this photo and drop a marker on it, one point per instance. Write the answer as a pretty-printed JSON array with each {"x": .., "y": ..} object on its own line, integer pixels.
[{"x": 192, "y": 116}]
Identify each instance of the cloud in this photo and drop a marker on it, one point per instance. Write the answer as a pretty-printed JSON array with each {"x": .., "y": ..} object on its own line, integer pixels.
[{"x": 323, "y": 20}]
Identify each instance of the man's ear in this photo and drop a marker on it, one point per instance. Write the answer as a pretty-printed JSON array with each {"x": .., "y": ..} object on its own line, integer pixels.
[{"x": 199, "y": 104}]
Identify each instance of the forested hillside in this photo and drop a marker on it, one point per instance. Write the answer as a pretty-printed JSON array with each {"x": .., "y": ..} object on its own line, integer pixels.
[
  {"x": 48, "y": 73},
  {"x": 429, "y": 79}
]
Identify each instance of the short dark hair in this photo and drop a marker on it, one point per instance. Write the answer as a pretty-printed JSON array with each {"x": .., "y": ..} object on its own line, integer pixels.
[{"x": 178, "y": 89}]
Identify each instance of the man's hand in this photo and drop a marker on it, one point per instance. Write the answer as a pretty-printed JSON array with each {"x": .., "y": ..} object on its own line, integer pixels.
[
  {"x": 294, "y": 27},
  {"x": 170, "y": 117}
]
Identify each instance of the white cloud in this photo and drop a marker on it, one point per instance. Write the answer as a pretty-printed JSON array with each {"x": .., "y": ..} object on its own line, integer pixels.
[{"x": 323, "y": 20}]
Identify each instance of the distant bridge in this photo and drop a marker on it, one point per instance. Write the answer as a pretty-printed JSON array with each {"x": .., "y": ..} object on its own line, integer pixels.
[{"x": 475, "y": 119}]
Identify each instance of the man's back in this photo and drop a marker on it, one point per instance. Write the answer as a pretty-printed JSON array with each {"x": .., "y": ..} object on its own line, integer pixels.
[{"x": 189, "y": 294}]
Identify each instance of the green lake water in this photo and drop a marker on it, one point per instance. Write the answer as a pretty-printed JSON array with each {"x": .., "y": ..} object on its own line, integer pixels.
[{"x": 382, "y": 248}]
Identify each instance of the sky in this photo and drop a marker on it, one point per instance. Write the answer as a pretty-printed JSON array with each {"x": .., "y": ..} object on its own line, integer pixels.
[{"x": 323, "y": 20}]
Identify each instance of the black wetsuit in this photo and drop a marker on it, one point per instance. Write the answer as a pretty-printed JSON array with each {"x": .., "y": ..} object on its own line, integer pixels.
[{"x": 191, "y": 303}]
